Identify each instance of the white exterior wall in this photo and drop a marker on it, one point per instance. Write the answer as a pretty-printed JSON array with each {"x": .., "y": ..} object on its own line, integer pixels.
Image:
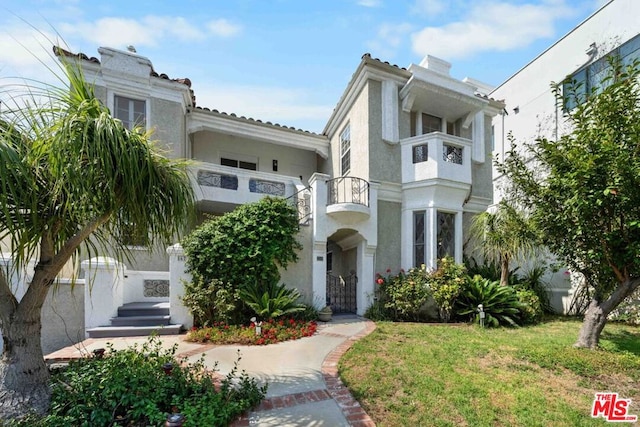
[{"x": 209, "y": 147}]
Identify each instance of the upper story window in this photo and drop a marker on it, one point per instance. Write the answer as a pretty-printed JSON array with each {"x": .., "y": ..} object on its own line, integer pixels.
[
  {"x": 238, "y": 164},
  {"x": 132, "y": 112},
  {"x": 420, "y": 153},
  {"x": 431, "y": 123},
  {"x": 590, "y": 79},
  {"x": 345, "y": 150}
]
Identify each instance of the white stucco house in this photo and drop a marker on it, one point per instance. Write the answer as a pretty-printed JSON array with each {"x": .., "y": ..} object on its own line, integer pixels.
[
  {"x": 401, "y": 166},
  {"x": 530, "y": 105}
]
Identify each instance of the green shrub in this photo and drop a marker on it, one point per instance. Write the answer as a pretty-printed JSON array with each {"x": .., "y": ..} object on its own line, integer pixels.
[
  {"x": 239, "y": 249},
  {"x": 271, "y": 301},
  {"x": 500, "y": 303},
  {"x": 446, "y": 283},
  {"x": 130, "y": 387},
  {"x": 531, "y": 309},
  {"x": 401, "y": 297},
  {"x": 213, "y": 302}
]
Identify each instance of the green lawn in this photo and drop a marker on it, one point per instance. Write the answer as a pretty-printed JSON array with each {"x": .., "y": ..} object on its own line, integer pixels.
[{"x": 407, "y": 374}]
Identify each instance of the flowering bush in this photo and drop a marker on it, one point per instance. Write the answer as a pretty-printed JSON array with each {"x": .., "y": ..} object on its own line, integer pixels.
[
  {"x": 401, "y": 296},
  {"x": 273, "y": 331}
]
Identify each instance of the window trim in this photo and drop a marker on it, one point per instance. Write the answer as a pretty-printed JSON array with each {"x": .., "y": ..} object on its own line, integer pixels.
[
  {"x": 130, "y": 123},
  {"x": 345, "y": 153}
]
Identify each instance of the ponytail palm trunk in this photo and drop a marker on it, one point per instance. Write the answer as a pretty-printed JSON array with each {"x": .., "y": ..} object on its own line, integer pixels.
[{"x": 71, "y": 178}]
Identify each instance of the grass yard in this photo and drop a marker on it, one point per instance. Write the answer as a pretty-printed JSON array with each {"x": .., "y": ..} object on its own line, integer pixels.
[{"x": 407, "y": 374}]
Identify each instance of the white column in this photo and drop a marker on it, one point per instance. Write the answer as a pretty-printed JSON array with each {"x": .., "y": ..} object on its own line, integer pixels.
[
  {"x": 366, "y": 275},
  {"x": 431, "y": 238},
  {"x": 390, "y": 127},
  {"x": 459, "y": 237},
  {"x": 478, "y": 154},
  {"x": 406, "y": 239},
  {"x": 318, "y": 184},
  {"x": 177, "y": 276},
  {"x": 104, "y": 283}
]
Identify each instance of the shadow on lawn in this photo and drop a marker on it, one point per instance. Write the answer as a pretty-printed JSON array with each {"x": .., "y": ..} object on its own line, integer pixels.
[{"x": 624, "y": 340}]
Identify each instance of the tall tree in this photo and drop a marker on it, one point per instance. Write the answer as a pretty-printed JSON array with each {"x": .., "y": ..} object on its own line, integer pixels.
[
  {"x": 583, "y": 192},
  {"x": 71, "y": 178},
  {"x": 503, "y": 236}
]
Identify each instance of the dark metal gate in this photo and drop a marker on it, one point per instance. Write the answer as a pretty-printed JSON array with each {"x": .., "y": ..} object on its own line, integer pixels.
[{"x": 341, "y": 293}]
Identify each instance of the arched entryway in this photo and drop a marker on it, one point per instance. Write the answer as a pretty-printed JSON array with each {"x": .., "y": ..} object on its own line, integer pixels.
[{"x": 342, "y": 270}]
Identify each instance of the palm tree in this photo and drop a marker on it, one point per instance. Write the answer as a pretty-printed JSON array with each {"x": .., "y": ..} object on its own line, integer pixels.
[
  {"x": 503, "y": 236},
  {"x": 71, "y": 178}
]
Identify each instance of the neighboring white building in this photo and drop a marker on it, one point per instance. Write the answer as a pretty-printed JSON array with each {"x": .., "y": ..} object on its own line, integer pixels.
[{"x": 530, "y": 105}]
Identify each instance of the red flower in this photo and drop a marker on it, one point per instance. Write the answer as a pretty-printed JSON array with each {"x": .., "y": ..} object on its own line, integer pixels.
[
  {"x": 388, "y": 270},
  {"x": 380, "y": 281}
]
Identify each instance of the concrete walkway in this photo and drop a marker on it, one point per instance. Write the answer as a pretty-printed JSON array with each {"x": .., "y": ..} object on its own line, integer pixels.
[{"x": 304, "y": 387}]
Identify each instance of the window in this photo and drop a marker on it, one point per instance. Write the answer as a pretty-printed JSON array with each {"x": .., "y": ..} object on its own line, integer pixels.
[
  {"x": 420, "y": 153},
  {"x": 418, "y": 238},
  {"x": 431, "y": 123},
  {"x": 345, "y": 150},
  {"x": 452, "y": 154},
  {"x": 590, "y": 79},
  {"x": 238, "y": 164},
  {"x": 132, "y": 112},
  {"x": 446, "y": 238}
]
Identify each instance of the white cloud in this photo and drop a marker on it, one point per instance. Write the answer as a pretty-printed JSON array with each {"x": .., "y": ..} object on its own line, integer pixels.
[
  {"x": 491, "y": 26},
  {"x": 430, "y": 7},
  {"x": 370, "y": 3},
  {"x": 147, "y": 31},
  {"x": 389, "y": 38},
  {"x": 223, "y": 28},
  {"x": 285, "y": 106}
]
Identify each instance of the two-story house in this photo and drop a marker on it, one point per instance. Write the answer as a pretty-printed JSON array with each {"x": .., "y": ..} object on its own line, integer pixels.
[{"x": 392, "y": 182}]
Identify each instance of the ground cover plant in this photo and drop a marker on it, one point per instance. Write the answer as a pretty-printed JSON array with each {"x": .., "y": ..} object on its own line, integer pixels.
[
  {"x": 271, "y": 332},
  {"x": 140, "y": 386},
  {"x": 408, "y": 374}
]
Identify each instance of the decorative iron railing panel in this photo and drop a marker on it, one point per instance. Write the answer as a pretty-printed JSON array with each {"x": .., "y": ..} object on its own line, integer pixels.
[
  {"x": 342, "y": 294},
  {"x": 348, "y": 189},
  {"x": 301, "y": 201},
  {"x": 262, "y": 186},
  {"x": 452, "y": 154},
  {"x": 156, "y": 288},
  {"x": 214, "y": 179}
]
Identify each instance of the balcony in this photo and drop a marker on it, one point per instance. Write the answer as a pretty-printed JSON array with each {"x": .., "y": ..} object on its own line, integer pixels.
[
  {"x": 348, "y": 198},
  {"x": 436, "y": 156},
  {"x": 218, "y": 188}
]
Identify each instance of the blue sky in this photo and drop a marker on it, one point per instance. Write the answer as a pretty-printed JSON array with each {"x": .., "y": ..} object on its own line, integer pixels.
[{"x": 288, "y": 61}]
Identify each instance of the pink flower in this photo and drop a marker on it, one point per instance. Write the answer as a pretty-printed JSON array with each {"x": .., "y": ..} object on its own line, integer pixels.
[{"x": 380, "y": 281}]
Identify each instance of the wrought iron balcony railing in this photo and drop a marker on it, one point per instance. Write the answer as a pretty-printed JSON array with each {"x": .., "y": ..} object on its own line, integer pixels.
[{"x": 348, "y": 189}]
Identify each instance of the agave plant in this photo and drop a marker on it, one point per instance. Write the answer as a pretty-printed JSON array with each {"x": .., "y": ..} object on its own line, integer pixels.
[
  {"x": 500, "y": 303},
  {"x": 271, "y": 301}
]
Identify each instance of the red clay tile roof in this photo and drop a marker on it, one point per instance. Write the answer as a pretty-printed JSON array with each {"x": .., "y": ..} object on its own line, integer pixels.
[
  {"x": 250, "y": 119},
  {"x": 58, "y": 51}
]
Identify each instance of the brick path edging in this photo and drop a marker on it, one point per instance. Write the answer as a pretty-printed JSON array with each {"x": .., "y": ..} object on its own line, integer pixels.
[{"x": 353, "y": 412}]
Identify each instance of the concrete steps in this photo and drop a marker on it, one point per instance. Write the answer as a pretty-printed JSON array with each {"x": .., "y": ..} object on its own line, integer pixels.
[{"x": 138, "y": 319}]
